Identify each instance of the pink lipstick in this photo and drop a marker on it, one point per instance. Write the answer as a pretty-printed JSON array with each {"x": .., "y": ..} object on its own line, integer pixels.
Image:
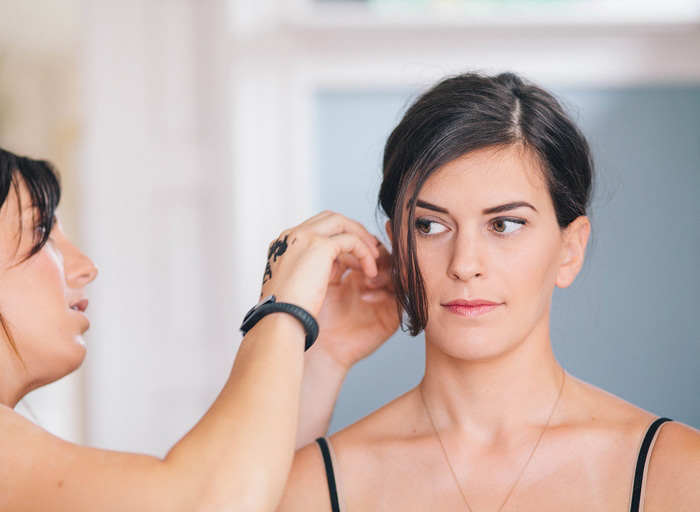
[
  {"x": 471, "y": 308},
  {"x": 80, "y": 305}
]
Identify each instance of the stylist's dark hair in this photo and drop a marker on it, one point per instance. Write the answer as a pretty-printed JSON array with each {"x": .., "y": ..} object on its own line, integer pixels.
[
  {"x": 460, "y": 115},
  {"x": 45, "y": 191}
]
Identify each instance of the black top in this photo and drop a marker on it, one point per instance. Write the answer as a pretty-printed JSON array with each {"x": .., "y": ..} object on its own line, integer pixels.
[
  {"x": 323, "y": 444},
  {"x": 639, "y": 472}
]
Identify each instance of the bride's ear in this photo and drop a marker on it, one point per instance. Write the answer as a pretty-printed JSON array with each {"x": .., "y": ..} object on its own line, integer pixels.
[
  {"x": 575, "y": 237},
  {"x": 387, "y": 226}
]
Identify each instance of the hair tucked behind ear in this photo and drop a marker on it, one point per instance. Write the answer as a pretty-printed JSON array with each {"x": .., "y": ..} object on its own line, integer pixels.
[
  {"x": 45, "y": 191},
  {"x": 463, "y": 114}
]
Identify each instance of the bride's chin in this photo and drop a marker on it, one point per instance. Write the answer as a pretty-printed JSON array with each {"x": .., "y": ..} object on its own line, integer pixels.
[{"x": 467, "y": 344}]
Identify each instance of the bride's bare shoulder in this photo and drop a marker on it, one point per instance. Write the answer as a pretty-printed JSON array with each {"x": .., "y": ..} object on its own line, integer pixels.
[
  {"x": 674, "y": 469},
  {"x": 597, "y": 406},
  {"x": 390, "y": 422}
]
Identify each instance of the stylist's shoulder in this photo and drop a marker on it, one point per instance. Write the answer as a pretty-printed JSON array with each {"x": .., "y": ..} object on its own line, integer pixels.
[
  {"x": 673, "y": 479},
  {"x": 307, "y": 487}
]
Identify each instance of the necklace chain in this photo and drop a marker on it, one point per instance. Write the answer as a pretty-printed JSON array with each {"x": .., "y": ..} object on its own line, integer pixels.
[{"x": 454, "y": 475}]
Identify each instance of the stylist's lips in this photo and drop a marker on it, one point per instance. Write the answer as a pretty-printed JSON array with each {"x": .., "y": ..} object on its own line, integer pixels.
[
  {"x": 471, "y": 308},
  {"x": 80, "y": 305}
]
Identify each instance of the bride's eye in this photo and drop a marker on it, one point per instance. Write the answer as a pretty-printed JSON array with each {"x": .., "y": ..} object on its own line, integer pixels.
[
  {"x": 506, "y": 226},
  {"x": 429, "y": 227}
]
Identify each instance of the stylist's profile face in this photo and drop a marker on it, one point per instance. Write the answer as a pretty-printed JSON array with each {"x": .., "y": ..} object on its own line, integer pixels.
[
  {"x": 489, "y": 249},
  {"x": 42, "y": 299}
]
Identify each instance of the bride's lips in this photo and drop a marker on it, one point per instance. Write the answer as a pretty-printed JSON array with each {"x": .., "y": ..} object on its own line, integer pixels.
[{"x": 471, "y": 308}]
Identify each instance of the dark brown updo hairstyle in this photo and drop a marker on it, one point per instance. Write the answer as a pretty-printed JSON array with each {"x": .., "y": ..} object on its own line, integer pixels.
[
  {"x": 45, "y": 191},
  {"x": 459, "y": 115}
]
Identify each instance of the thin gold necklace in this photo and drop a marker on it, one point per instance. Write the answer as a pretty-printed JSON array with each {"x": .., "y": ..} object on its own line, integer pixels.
[{"x": 425, "y": 405}]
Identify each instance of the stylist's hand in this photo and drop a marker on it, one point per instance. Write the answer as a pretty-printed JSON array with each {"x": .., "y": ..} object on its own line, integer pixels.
[
  {"x": 359, "y": 313},
  {"x": 302, "y": 261}
]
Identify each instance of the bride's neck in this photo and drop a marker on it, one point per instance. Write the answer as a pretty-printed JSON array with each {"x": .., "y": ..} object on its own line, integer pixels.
[{"x": 489, "y": 398}]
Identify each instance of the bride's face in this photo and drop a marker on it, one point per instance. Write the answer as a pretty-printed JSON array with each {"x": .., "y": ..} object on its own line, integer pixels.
[
  {"x": 42, "y": 298},
  {"x": 491, "y": 251}
]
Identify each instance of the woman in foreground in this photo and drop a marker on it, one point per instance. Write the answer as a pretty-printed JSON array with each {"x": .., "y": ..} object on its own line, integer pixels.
[
  {"x": 238, "y": 456},
  {"x": 486, "y": 185}
]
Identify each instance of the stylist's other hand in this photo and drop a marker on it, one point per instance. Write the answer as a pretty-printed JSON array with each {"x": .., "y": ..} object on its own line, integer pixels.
[
  {"x": 359, "y": 313},
  {"x": 303, "y": 259}
]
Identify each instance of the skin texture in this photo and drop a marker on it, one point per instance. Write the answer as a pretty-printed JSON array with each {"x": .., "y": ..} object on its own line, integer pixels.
[
  {"x": 51, "y": 344},
  {"x": 491, "y": 381},
  {"x": 238, "y": 455}
]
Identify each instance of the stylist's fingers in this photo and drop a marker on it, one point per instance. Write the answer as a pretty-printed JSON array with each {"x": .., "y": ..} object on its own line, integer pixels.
[
  {"x": 345, "y": 262},
  {"x": 383, "y": 277},
  {"x": 342, "y": 265},
  {"x": 384, "y": 258},
  {"x": 349, "y": 243},
  {"x": 349, "y": 261},
  {"x": 317, "y": 217},
  {"x": 335, "y": 223},
  {"x": 304, "y": 259}
]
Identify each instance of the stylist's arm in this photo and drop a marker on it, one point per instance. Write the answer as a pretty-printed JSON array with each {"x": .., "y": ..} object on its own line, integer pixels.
[
  {"x": 237, "y": 457},
  {"x": 258, "y": 409}
]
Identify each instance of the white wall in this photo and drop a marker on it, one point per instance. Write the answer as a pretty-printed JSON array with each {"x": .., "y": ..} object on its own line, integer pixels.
[{"x": 155, "y": 172}]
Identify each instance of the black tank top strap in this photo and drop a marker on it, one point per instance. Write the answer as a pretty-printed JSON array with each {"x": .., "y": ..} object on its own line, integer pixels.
[
  {"x": 640, "y": 469},
  {"x": 330, "y": 475}
]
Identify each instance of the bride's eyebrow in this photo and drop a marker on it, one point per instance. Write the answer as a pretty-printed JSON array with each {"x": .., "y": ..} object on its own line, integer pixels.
[
  {"x": 507, "y": 207},
  {"x": 428, "y": 206},
  {"x": 488, "y": 211}
]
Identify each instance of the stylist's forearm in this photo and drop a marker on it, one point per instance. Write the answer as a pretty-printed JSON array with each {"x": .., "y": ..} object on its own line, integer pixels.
[
  {"x": 256, "y": 414},
  {"x": 321, "y": 384}
]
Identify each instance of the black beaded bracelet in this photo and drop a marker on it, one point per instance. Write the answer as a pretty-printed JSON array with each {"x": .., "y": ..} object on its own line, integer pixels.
[{"x": 270, "y": 305}]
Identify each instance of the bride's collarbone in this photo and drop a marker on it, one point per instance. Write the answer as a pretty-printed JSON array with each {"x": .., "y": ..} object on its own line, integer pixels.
[{"x": 404, "y": 468}]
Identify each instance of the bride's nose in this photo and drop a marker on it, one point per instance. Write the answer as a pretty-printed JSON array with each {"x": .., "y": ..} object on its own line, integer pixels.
[{"x": 466, "y": 260}]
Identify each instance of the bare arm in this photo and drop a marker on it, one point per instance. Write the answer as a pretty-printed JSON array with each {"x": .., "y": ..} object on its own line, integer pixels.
[
  {"x": 322, "y": 381},
  {"x": 239, "y": 452},
  {"x": 307, "y": 486},
  {"x": 238, "y": 456},
  {"x": 358, "y": 315}
]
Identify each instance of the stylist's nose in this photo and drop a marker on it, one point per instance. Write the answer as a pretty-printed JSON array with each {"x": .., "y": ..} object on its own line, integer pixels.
[{"x": 79, "y": 269}]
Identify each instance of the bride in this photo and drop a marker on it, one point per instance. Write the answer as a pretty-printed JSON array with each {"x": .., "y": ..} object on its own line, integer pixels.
[{"x": 486, "y": 185}]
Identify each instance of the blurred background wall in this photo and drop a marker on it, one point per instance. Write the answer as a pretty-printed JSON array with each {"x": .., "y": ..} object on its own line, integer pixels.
[{"x": 190, "y": 132}]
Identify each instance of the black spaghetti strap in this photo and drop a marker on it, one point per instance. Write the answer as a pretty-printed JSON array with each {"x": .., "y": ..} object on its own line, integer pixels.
[
  {"x": 328, "y": 462},
  {"x": 641, "y": 463}
]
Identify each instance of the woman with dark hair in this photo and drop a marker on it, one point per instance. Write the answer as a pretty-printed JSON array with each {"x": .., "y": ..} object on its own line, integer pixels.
[
  {"x": 238, "y": 456},
  {"x": 486, "y": 185}
]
